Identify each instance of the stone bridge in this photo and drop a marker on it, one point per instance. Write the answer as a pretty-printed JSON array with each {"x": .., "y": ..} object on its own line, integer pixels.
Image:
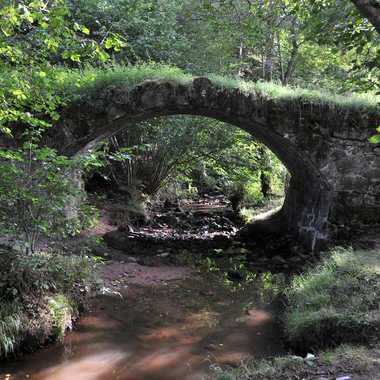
[{"x": 335, "y": 171}]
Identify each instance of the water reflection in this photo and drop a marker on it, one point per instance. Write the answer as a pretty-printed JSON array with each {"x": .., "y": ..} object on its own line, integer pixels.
[
  {"x": 90, "y": 367},
  {"x": 174, "y": 332}
]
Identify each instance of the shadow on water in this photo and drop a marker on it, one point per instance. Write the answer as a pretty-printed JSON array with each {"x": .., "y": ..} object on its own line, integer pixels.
[{"x": 176, "y": 330}]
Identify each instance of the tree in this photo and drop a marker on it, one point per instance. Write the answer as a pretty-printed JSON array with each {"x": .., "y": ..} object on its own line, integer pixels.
[
  {"x": 36, "y": 183},
  {"x": 36, "y": 36},
  {"x": 370, "y": 9},
  {"x": 36, "y": 190}
]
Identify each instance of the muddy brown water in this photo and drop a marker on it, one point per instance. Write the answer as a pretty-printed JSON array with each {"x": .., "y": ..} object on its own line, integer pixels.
[{"x": 164, "y": 329}]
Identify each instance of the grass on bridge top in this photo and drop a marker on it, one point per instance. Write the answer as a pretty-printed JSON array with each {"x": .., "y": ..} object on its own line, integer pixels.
[{"x": 82, "y": 82}]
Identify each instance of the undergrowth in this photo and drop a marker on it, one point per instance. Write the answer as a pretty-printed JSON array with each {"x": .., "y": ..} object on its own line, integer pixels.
[{"x": 39, "y": 294}]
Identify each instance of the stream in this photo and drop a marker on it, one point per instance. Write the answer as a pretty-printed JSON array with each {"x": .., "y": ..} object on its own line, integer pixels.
[
  {"x": 167, "y": 329},
  {"x": 163, "y": 317}
]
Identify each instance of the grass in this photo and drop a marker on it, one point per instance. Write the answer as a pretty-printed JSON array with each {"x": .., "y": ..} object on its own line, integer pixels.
[
  {"x": 273, "y": 91},
  {"x": 338, "y": 301},
  {"x": 82, "y": 82},
  {"x": 90, "y": 80},
  {"x": 342, "y": 361},
  {"x": 10, "y": 327}
]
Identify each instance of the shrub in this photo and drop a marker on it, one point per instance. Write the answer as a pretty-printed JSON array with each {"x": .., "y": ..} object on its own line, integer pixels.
[
  {"x": 43, "y": 272},
  {"x": 36, "y": 193},
  {"x": 39, "y": 295}
]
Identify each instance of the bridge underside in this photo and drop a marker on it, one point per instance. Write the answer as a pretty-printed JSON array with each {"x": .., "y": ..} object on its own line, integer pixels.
[{"x": 335, "y": 185}]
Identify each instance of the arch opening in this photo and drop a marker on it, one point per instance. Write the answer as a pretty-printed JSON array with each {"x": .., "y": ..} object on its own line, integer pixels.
[{"x": 185, "y": 177}]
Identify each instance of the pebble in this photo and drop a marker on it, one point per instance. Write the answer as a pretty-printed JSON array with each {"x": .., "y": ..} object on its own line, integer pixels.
[{"x": 309, "y": 360}]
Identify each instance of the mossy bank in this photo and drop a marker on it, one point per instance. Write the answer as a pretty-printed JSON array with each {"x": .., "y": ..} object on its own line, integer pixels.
[{"x": 40, "y": 297}]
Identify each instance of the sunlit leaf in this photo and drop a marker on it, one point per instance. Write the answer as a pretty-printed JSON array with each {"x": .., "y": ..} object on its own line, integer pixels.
[{"x": 375, "y": 139}]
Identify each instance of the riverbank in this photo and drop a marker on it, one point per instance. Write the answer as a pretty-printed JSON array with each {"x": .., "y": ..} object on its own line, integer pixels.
[
  {"x": 332, "y": 304},
  {"x": 42, "y": 295},
  {"x": 343, "y": 363}
]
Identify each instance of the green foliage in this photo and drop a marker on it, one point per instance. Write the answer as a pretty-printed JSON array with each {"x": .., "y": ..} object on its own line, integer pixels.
[
  {"x": 38, "y": 293},
  {"x": 36, "y": 194},
  {"x": 22, "y": 276},
  {"x": 375, "y": 139},
  {"x": 188, "y": 153},
  {"x": 151, "y": 29},
  {"x": 339, "y": 25},
  {"x": 273, "y": 91},
  {"x": 333, "y": 303},
  {"x": 10, "y": 326},
  {"x": 60, "y": 306},
  {"x": 34, "y": 36}
]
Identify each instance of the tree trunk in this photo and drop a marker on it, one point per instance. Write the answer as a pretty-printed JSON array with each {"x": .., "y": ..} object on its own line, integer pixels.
[
  {"x": 291, "y": 63},
  {"x": 280, "y": 57},
  {"x": 241, "y": 59},
  {"x": 269, "y": 58},
  {"x": 370, "y": 9}
]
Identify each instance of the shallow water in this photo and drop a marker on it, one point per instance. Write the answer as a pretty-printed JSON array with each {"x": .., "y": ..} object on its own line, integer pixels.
[{"x": 173, "y": 331}]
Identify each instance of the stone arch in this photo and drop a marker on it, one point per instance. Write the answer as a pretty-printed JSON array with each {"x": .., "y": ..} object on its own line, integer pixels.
[{"x": 315, "y": 142}]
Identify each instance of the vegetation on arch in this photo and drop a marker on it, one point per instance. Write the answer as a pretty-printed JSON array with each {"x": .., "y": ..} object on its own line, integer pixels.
[{"x": 77, "y": 84}]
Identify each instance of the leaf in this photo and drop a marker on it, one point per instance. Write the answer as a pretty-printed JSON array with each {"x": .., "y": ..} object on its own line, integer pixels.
[
  {"x": 75, "y": 57},
  {"x": 6, "y": 131},
  {"x": 375, "y": 139},
  {"x": 85, "y": 30},
  {"x": 102, "y": 54},
  {"x": 42, "y": 74},
  {"x": 109, "y": 43}
]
